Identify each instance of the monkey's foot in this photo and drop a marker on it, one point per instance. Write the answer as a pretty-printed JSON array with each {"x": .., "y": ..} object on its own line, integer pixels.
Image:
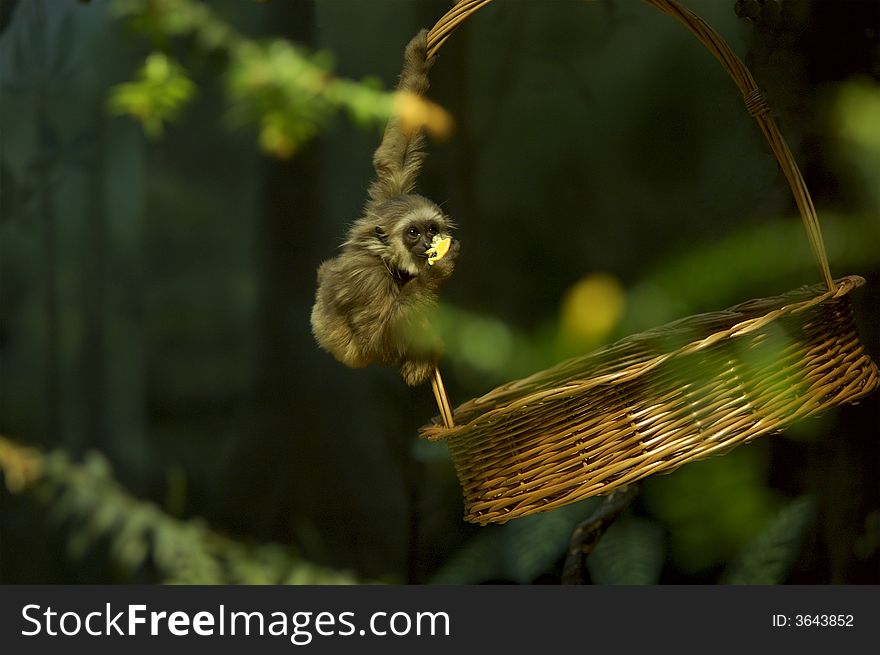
[{"x": 415, "y": 373}]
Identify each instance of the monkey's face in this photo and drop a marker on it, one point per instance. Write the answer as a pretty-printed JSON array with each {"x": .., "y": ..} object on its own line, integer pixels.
[
  {"x": 415, "y": 221},
  {"x": 414, "y": 238},
  {"x": 419, "y": 235}
]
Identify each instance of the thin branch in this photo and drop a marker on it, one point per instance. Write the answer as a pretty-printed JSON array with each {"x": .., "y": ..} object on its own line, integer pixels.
[{"x": 587, "y": 534}]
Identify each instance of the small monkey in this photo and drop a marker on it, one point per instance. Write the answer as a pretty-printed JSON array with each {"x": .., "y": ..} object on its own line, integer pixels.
[{"x": 373, "y": 299}]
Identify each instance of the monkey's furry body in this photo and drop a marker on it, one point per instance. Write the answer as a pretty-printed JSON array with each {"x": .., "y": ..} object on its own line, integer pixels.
[{"x": 373, "y": 299}]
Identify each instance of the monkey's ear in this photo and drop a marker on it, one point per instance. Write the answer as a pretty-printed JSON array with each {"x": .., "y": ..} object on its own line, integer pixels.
[{"x": 380, "y": 234}]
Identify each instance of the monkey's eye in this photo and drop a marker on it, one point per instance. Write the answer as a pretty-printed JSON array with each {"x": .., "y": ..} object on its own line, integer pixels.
[
  {"x": 433, "y": 229},
  {"x": 412, "y": 232}
]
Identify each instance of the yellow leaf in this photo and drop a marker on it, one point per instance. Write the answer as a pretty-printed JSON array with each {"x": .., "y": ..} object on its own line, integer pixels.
[
  {"x": 416, "y": 112},
  {"x": 591, "y": 308}
]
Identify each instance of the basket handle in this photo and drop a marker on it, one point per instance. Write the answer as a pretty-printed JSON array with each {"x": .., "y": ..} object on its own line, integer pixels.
[{"x": 754, "y": 100}]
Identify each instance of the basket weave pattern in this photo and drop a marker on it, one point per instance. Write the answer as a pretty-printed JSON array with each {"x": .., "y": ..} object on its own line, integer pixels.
[{"x": 655, "y": 400}]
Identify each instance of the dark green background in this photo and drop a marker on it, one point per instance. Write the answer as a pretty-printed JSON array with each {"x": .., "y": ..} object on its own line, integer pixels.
[{"x": 589, "y": 137}]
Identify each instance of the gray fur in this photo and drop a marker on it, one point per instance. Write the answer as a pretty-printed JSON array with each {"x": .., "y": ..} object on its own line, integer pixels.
[{"x": 374, "y": 298}]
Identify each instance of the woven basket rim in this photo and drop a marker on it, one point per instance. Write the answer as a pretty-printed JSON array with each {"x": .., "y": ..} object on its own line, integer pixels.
[
  {"x": 537, "y": 457},
  {"x": 790, "y": 303}
]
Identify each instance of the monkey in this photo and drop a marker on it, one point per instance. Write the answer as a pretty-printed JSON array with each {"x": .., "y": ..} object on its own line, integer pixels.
[{"x": 374, "y": 299}]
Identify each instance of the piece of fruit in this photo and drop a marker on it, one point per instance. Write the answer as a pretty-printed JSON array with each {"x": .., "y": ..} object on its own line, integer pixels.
[{"x": 439, "y": 248}]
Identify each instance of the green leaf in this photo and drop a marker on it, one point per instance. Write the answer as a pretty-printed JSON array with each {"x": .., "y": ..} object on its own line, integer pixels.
[
  {"x": 478, "y": 561},
  {"x": 631, "y": 552},
  {"x": 533, "y": 543},
  {"x": 157, "y": 96},
  {"x": 287, "y": 92},
  {"x": 713, "y": 507},
  {"x": 768, "y": 558}
]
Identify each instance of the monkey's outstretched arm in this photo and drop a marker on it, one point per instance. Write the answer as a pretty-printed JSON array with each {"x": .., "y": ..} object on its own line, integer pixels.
[{"x": 399, "y": 158}]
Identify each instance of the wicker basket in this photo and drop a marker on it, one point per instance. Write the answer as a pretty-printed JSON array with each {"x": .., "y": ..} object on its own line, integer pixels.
[{"x": 656, "y": 400}]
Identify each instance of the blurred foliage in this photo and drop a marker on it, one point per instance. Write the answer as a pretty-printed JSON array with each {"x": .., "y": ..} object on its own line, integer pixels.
[
  {"x": 519, "y": 551},
  {"x": 769, "y": 557},
  {"x": 856, "y": 120},
  {"x": 590, "y": 311},
  {"x": 94, "y": 511},
  {"x": 415, "y": 112},
  {"x": 696, "y": 506},
  {"x": 868, "y": 543},
  {"x": 157, "y": 96},
  {"x": 490, "y": 350},
  {"x": 631, "y": 552},
  {"x": 858, "y": 113},
  {"x": 287, "y": 92}
]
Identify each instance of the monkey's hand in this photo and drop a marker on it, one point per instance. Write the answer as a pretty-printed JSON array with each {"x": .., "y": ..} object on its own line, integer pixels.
[
  {"x": 416, "y": 65},
  {"x": 440, "y": 270}
]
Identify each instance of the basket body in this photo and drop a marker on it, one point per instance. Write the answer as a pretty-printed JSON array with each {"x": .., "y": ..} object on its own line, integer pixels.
[{"x": 656, "y": 400}]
